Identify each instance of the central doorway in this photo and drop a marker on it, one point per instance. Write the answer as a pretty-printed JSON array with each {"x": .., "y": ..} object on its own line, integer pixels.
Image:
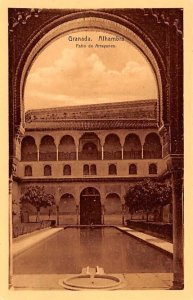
[{"x": 90, "y": 207}]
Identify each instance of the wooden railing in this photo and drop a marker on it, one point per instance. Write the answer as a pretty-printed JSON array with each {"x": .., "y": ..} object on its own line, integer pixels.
[
  {"x": 67, "y": 156},
  {"x": 90, "y": 156},
  {"x": 152, "y": 154},
  {"x": 132, "y": 154},
  {"x": 29, "y": 156},
  {"x": 112, "y": 155},
  {"x": 49, "y": 156}
]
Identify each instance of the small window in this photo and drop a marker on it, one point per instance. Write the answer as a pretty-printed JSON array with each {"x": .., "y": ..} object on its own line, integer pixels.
[
  {"x": 86, "y": 169},
  {"x": 67, "y": 170},
  {"x": 93, "y": 169},
  {"x": 47, "y": 170},
  {"x": 132, "y": 169},
  {"x": 112, "y": 169},
  {"x": 152, "y": 169},
  {"x": 28, "y": 171}
]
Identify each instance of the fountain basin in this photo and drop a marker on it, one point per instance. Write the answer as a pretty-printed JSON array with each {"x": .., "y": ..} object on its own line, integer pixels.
[{"x": 91, "y": 281}]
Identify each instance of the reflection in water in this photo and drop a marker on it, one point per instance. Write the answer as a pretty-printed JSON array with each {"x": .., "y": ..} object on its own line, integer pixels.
[{"x": 69, "y": 250}]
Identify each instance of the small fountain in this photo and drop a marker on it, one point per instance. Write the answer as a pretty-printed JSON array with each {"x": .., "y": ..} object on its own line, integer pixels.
[{"x": 92, "y": 279}]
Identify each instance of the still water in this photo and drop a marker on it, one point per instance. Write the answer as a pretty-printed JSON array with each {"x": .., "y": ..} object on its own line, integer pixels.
[{"x": 71, "y": 249}]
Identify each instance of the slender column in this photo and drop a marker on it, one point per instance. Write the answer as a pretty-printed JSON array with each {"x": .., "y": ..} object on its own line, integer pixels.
[
  {"x": 142, "y": 140},
  {"x": 102, "y": 142},
  {"x": 76, "y": 152},
  {"x": 57, "y": 214},
  {"x": 38, "y": 141},
  {"x": 103, "y": 214},
  {"x": 57, "y": 143},
  {"x": 122, "y": 142},
  {"x": 57, "y": 153},
  {"x": 77, "y": 214},
  {"x": 38, "y": 153}
]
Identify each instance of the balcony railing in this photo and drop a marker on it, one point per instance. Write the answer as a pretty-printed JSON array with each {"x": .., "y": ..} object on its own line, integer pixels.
[
  {"x": 48, "y": 156},
  {"x": 29, "y": 156},
  {"x": 67, "y": 156},
  {"x": 90, "y": 156},
  {"x": 132, "y": 154},
  {"x": 112, "y": 155},
  {"x": 152, "y": 154}
]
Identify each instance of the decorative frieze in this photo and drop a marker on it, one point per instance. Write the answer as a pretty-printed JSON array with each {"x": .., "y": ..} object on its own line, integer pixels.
[
  {"x": 20, "y": 131},
  {"x": 22, "y": 16},
  {"x": 167, "y": 17}
]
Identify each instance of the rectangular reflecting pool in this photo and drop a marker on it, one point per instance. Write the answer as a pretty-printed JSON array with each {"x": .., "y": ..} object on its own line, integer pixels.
[{"x": 71, "y": 249}]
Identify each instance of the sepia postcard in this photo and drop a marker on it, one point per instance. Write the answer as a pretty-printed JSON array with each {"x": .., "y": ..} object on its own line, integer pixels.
[{"x": 96, "y": 119}]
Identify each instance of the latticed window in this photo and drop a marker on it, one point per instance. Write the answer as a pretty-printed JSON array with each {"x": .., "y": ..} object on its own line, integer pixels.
[
  {"x": 132, "y": 169},
  {"x": 93, "y": 170},
  {"x": 112, "y": 169},
  {"x": 28, "y": 171},
  {"x": 67, "y": 170},
  {"x": 47, "y": 170},
  {"x": 152, "y": 169},
  {"x": 86, "y": 169}
]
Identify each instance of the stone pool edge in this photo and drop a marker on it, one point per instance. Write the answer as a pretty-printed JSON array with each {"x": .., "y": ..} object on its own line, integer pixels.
[
  {"x": 155, "y": 242},
  {"x": 25, "y": 242}
]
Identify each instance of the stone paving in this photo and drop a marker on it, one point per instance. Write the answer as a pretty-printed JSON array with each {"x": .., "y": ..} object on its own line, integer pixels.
[
  {"x": 132, "y": 281},
  {"x": 154, "y": 241},
  {"x": 24, "y": 242}
]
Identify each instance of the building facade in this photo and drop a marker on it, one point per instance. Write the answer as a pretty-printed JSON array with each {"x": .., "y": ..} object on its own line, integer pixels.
[{"x": 88, "y": 156}]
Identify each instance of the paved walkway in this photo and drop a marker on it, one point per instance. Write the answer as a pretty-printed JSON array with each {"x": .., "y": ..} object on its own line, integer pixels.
[
  {"x": 154, "y": 241},
  {"x": 25, "y": 242},
  {"x": 132, "y": 281}
]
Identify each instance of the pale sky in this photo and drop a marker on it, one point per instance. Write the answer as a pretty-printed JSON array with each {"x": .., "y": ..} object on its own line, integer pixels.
[{"x": 64, "y": 75}]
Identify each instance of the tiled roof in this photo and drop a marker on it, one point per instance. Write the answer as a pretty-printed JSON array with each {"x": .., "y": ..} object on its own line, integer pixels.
[
  {"x": 132, "y": 110},
  {"x": 91, "y": 124},
  {"x": 119, "y": 115}
]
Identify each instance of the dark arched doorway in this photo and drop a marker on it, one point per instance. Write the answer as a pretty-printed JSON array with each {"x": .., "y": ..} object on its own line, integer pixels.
[{"x": 90, "y": 207}]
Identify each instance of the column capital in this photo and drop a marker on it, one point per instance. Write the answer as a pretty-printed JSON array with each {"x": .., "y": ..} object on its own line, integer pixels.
[
  {"x": 37, "y": 140},
  {"x": 56, "y": 140},
  {"x": 122, "y": 140},
  {"x": 142, "y": 139},
  {"x": 101, "y": 137},
  {"x": 76, "y": 136}
]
